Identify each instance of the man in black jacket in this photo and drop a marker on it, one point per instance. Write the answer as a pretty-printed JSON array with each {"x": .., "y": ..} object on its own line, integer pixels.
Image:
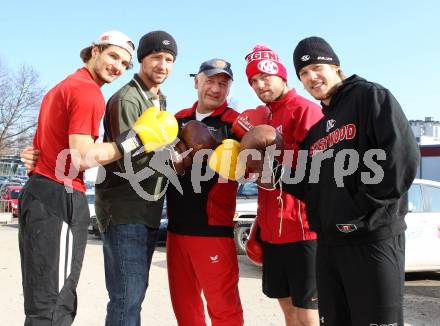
[{"x": 362, "y": 158}]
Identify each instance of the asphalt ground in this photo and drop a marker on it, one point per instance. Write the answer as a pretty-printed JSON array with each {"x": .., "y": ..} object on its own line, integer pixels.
[{"x": 422, "y": 298}]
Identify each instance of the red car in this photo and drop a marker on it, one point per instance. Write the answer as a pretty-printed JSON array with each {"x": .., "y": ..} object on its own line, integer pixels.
[{"x": 10, "y": 193}]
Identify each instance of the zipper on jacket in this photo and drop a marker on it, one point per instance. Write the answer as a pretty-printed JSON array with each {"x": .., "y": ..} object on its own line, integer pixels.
[
  {"x": 281, "y": 205},
  {"x": 300, "y": 218}
]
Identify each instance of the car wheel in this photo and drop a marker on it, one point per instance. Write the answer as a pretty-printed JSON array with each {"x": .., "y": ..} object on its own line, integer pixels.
[{"x": 241, "y": 234}]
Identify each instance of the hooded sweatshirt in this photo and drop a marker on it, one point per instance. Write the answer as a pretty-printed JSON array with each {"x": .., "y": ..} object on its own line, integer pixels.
[{"x": 368, "y": 159}]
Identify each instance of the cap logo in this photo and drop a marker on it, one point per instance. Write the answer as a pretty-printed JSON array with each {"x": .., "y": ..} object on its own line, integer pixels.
[
  {"x": 166, "y": 42},
  {"x": 268, "y": 66},
  {"x": 219, "y": 64},
  {"x": 305, "y": 57},
  {"x": 116, "y": 38}
]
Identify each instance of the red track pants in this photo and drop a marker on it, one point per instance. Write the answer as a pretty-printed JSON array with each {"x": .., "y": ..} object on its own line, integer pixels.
[{"x": 207, "y": 264}]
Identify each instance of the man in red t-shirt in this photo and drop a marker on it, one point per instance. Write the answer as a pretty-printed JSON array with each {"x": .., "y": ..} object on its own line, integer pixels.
[
  {"x": 289, "y": 246},
  {"x": 54, "y": 214}
]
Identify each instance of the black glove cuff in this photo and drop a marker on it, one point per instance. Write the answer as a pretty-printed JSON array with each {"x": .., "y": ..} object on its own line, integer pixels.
[{"x": 128, "y": 142}]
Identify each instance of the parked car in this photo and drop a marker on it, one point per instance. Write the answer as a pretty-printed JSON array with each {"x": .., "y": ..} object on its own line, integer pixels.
[
  {"x": 7, "y": 184},
  {"x": 9, "y": 196},
  {"x": 93, "y": 224},
  {"x": 162, "y": 233},
  {"x": 422, "y": 252},
  {"x": 245, "y": 213},
  {"x": 14, "y": 199}
]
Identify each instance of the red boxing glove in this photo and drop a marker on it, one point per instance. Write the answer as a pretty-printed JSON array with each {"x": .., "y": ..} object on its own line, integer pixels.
[
  {"x": 254, "y": 249},
  {"x": 249, "y": 119}
]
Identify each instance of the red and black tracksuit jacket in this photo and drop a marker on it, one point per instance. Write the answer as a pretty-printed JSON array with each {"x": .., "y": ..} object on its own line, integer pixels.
[
  {"x": 209, "y": 210},
  {"x": 292, "y": 116}
]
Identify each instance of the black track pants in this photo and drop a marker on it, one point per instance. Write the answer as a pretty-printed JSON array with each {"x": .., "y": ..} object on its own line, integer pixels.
[{"x": 52, "y": 240}]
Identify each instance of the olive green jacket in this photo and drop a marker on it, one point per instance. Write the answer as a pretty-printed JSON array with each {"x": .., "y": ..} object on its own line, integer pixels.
[{"x": 116, "y": 200}]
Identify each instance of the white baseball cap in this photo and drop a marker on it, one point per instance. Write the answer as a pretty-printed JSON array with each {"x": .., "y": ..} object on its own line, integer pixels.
[{"x": 116, "y": 38}]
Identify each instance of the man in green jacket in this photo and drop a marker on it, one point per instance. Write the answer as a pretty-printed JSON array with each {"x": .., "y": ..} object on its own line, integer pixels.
[{"x": 129, "y": 216}]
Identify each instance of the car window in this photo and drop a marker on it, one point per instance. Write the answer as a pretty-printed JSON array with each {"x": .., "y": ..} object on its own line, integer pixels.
[
  {"x": 433, "y": 198},
  {"x": 415, "y": 198},
  {"x": 14, "y": 194},
  {"x": 248, "y": 189},
  {"x": 90, "y": 198}
]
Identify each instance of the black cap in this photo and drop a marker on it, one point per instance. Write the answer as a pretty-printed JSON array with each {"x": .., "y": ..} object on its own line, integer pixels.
[
  {"x": 215, "y": 66},
  {"x": 156, "y": 41},
  {"x": 313, "y": 50}
]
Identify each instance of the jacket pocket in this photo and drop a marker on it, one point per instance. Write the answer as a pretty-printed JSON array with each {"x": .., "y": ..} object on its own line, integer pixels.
[{"x": 337, "y": 211}]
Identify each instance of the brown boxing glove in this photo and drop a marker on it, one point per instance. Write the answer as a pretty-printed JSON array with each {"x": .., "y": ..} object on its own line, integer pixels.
[
  {"x": 256, "y": 142},
  {"x": 196, "y": 135},
  {"x": 179, "y": 159}
]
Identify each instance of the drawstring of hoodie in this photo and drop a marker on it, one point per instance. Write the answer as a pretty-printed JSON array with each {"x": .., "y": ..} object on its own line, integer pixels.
[{"x": 279, "y": 198}]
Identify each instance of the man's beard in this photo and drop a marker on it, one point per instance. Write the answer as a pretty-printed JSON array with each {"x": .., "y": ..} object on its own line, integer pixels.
[
  {"x": 155, "y": 81},
  {"x": 273, "y": 97}
]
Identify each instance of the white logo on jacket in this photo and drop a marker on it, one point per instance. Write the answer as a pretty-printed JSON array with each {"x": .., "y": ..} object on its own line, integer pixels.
[
  {"x": 214, "y": 259},
  {"x": 346, "y": 228},
  {"x": 330, "y": 124}
]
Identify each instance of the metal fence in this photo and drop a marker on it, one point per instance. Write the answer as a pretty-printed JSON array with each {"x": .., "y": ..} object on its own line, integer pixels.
[{"x": 11, "y": 167}]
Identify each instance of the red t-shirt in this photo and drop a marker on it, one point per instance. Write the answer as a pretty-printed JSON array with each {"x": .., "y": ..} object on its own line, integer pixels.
[{"x": 74, "y": 106}]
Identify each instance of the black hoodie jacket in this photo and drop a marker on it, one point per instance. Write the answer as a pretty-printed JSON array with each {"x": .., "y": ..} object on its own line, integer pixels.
[{"x": 362, "y": 116}]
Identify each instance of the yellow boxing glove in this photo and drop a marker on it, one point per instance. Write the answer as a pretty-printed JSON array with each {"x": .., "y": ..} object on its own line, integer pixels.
[
  {"x": 152, "y": 130},
  {"x": 224, "y": 160}
]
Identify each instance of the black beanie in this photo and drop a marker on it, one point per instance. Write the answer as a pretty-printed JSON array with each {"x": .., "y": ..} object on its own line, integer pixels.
[
  {"x": 313, "y": 50},
  {"x": 156, "y": 41}
]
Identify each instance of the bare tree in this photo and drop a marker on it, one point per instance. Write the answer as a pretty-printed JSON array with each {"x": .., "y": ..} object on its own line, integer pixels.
[{"x": 20, "y": 98}]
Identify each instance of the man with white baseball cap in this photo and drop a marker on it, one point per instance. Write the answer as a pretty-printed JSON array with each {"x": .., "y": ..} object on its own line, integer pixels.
[
  {"x": 105, "y": 40},
  {"x": 54, "y": 215}
]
